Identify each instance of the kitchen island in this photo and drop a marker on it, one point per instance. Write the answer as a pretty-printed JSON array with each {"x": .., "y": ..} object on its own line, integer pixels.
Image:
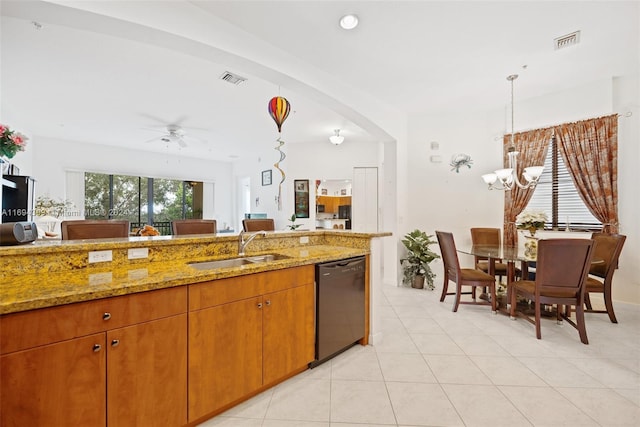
[{"x": 149, "y": 336}]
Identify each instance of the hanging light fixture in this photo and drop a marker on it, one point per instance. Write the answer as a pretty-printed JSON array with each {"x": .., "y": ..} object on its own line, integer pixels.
[
  {"x": 505, "y": 179},
  {"x": 336, "y": 139}
]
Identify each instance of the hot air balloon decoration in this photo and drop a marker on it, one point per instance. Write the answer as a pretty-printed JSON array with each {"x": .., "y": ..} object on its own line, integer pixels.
[{"x": 279, "y": 109}]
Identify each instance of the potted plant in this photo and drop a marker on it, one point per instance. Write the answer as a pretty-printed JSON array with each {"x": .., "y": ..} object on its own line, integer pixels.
[
  {"x": 293, "y": 225},
  {"x": 416, "y": 268}
]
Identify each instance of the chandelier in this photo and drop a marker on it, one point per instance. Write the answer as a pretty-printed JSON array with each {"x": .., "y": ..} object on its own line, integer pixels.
[{"x": 505, "y": 179}]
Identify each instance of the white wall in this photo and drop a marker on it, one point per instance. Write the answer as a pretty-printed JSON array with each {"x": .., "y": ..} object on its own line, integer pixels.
[
  {"x": 312, "y": 161},
  {"x": 52, "y": 158},
  {"x": 441, "y": 199}
]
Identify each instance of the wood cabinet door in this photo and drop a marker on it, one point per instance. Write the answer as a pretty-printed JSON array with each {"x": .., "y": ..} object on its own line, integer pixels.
[
  {"x": 147, "y": 373},
  {"x": 288, "y": 331},
  {"x": 225, "y": 355},
  {"x": 61, "y": 384}
]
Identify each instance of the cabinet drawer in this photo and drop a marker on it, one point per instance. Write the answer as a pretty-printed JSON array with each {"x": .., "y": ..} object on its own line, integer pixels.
[
  {"x": 29, "y": 329},
  {"x": 223, "y": 291}
]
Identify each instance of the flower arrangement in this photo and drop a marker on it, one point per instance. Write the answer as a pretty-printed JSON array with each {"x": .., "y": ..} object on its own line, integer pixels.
[
  {"x": 11, "y": 142},
  {"x": 531, "y": 220},
  {"x": 46, "y": 206}
]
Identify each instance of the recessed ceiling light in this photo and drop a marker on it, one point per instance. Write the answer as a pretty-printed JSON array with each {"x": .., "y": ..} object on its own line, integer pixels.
[{"x": 349, "y": 22}]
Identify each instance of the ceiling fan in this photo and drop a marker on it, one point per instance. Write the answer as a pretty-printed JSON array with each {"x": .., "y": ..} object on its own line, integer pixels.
[{"x": 174, "y": 133}]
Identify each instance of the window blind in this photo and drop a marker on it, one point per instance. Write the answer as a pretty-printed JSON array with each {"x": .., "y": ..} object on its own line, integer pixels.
[{"x": 558, "y": 197}]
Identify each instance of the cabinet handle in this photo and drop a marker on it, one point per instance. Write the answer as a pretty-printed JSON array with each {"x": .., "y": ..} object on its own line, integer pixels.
[
  {"x": 259, "y": 305},
  {"x": 268, "y": 302},
  {"x": 106, "y": 316},
  {"x": 97, "y": 348},
  {"x": 114, "y": 343}
]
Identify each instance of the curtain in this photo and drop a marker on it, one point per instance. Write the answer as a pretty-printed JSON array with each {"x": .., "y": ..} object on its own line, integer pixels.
[
  {"x": 589, "y": 148},
  {"x": 532, "y": 146}
]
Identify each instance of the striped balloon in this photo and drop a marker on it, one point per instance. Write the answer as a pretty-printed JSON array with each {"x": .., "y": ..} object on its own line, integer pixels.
[{"x": 279, "y": 110}]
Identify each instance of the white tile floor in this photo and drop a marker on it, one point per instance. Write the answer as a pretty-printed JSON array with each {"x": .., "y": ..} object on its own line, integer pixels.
[{"x": 470, "y": 368}]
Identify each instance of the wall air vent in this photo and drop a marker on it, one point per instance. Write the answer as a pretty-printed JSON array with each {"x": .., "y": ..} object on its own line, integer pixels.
[
  {"x": 566, "y": 40},
  {"x": 232, "y": 78}
]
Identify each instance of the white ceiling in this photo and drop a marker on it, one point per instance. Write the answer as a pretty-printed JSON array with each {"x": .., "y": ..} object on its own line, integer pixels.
[{"x": 88, "y": 77}]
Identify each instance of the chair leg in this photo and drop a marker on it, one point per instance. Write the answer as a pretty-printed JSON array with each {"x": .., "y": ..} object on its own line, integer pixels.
[
  {"x": 587, "y": 301},
  {"x": 456, "y": 304},
  {"x": 445, "y": 286},
  {"x": 538, "y": 332},
  {"x": 609, "y": 305},
  {"x": 512, "y": 295},
  {"x": 580, "y": 325},
  {"x": 494, "y": 297}
]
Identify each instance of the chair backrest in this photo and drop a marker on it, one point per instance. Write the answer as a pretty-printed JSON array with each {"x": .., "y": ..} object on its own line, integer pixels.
[
  {"x": 607, "y": 248},
  {"x": 94, "y": 229},
  {"x": 449, "y": 254},
  {"x": 485, "y": 236},
  {"x": 180, "y": 227},
  {"x": 259, "y": 224},
  {"x": 563, "y": 265}
]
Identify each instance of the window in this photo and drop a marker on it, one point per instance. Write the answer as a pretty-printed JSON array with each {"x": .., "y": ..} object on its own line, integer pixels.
[
  {"x": 556, "y": 195},
  {"x": 153, "y": 201}
]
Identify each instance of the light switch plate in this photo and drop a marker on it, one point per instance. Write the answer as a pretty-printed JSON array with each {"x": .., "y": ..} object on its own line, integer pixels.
[
  {"x": 100, "y": 256},
  {"x": 137, "y": 253},
  {"x": 304, "y": 239}
]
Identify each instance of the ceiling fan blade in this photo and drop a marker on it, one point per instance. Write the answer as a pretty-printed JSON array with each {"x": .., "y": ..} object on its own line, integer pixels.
[
  {"x": 155, "y": 138},
  {"x": 181, "y": 142}
]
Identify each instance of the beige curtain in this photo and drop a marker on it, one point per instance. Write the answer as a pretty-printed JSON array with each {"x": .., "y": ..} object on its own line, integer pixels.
[
  {"x": 589, "y": 148},
  {"x": 532, "y": 146}
]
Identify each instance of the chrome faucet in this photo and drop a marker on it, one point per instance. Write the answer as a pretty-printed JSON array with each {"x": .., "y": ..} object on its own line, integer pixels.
[{"x": 242, "y": 243}]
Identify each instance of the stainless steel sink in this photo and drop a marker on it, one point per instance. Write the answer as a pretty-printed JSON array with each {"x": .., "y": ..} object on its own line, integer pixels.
[
  {"x": 266, "y": 258},
  {"x": 236, "y": 262}
]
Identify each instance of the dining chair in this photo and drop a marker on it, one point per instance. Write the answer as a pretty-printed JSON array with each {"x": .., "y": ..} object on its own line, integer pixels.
[
  {"x": 462, "y": 276},
  {"x": 488, "y": 236},
  {"x": 94, "y": 229},
  {"x": 258, "y": 224},
  {"x": 607, "y": 248},
  {"x": 561, "y": 276},
  {"x": 181, "y": 227}
]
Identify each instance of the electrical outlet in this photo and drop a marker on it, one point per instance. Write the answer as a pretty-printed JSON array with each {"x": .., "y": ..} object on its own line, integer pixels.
[
  {"x": 137, "y": 274},
  {"x": 100, "y": 278},
  {"x": 304, "y": 239},
  {"x": 137, "y": 253},
  {"x": 100, "y": 256}
]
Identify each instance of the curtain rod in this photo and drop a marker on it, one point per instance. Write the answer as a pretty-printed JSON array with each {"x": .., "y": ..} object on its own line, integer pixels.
[{"x": 625, "y": 114}]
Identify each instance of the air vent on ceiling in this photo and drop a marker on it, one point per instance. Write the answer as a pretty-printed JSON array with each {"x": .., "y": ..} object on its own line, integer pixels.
[
  {"x": 232, "y": 78},
  {"x": 567, "y": 40}
]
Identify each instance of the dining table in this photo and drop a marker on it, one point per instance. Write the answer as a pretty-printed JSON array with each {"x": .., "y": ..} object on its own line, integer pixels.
[
  {"x": 508, "y": 254},
  {"x": 511, "y": 255}
]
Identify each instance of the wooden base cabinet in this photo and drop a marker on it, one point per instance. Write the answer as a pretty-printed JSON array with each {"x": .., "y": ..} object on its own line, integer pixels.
[
  {"x": 288, "y": 333},
  {"x": 61, "y": 384},
  {"x": 126, "y": 376},
  {"x": 147, "y": 374},
  {"x": 259, "y": 330}
]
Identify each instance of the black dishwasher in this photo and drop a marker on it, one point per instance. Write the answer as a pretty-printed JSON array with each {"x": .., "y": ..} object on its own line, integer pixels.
[{"x": 340, "y": 307}]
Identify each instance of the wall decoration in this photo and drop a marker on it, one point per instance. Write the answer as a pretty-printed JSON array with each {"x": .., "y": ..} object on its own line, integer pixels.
[
  {"x": 266, "y": 177},
  {"x": 301, "y": 197},
  {"x": 460, "y": 160},
  {"x": 279, "y": 109}
]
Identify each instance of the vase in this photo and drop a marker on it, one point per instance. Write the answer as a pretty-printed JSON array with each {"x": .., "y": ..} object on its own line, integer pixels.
[
  {"x": 4, "y": 165},
  {"x": 531, "y": 247},
  {"x": 418, "y": 282}
]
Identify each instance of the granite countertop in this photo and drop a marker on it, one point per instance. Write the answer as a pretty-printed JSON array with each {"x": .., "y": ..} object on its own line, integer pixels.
[{"x": 31, "y": 291}]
